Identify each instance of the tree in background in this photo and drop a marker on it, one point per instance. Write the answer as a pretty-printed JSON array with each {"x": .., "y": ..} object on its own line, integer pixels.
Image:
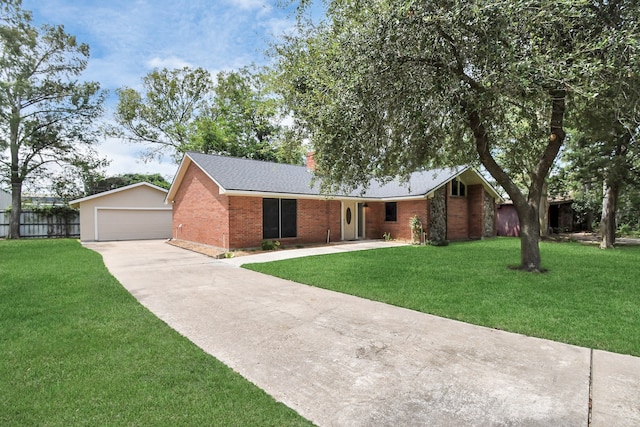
[
  {"x": 183, "y": 110},
  {"x": 245, "y": 121},
  {"x": 75, "y": 181},
  {"x": 606, "y": 151},
  {"x": 385, "y": 88},
  {"x": 111, "y": 183},
  {"x": 46, "y": 115},
  {"x": 163, "y": 116}
]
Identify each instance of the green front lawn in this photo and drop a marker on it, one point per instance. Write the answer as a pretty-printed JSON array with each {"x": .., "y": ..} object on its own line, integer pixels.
[
  {"x": 589, "y": 297},
  {"x": 77, "y": 349}
]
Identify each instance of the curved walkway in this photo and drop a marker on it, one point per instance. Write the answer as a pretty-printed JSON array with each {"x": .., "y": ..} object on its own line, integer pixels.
[{"x": 345, "y": 361}]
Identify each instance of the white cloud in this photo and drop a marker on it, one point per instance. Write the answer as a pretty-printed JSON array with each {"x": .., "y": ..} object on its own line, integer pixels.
[
  {"x": 248, "y": 4},
  {"x": 125, "y": 158},
  {"x": 169, "y": 62},
  {"x": 129, "y": 37}
]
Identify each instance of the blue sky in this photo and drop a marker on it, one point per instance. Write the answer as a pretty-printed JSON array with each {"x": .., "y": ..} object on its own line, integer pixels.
[{"x": 129, "y": 38}]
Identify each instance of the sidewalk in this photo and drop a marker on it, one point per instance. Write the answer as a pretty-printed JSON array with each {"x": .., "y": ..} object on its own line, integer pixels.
[
  {"x": 316, "y": 250},
  {"x": 345, "y": 361}
]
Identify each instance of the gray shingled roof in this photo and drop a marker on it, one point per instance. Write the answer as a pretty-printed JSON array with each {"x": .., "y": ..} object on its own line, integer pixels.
[{"x": 235, "y": 174}]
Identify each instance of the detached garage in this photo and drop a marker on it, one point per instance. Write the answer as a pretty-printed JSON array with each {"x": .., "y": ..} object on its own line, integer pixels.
[{"x": 134, "y": 212}]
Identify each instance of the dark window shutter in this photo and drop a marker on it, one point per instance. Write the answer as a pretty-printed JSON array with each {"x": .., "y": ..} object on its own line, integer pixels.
[
  {"x": 288, "y": 220},
  {"x": 270, "y": 218}
]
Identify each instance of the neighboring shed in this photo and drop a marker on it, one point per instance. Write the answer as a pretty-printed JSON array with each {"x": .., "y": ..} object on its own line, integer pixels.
[
  {"x": 560, "y": 218},
  {"x": 134, "y": 212},
  {"x": 507, "y": 221}
]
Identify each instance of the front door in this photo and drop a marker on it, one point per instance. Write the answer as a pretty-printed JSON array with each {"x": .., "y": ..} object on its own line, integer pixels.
[{"x": 349, "y": 220}]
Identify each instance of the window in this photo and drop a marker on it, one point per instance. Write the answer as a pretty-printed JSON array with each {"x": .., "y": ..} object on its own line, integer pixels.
[
  {"x": 391, "y": 211},
  {"x": 458, "y": 188},
  {"x": 279, "y": 218}
]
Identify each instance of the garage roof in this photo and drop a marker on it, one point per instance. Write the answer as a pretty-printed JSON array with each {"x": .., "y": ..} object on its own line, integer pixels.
[{"x": 76, "y": 203}]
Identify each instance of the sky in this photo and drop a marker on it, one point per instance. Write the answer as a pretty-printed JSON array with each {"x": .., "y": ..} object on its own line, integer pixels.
[{"x": 129, "y": 38}]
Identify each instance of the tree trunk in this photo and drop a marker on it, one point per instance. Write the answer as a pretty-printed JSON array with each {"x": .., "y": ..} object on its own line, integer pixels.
[
  {"x": 528, "y": 207},
  {"x": 16, "y": 209},
  {"x": 543, "y": 215},
  {"x": 16, "y": 181},
  {"x": 608, "y": 219},
  {"x": 529, "y": 238}
]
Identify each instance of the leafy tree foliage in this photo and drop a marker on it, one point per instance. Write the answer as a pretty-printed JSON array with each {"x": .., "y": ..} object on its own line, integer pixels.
[
  {"x": 46, "y": 115},
  {"x": 183, "y": 110},
  {"x": 163, "y": 115},
  {"x": 75, "y": 181},
  {"x": 606, "y": 153},
  {"x": 387, "y": 87},
  {"x": 242, "y": 120},
  {"x": 111, "y": 183}
]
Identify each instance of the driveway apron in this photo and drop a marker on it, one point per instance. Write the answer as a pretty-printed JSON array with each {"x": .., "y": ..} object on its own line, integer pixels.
[{"x": 340, "y": 360}]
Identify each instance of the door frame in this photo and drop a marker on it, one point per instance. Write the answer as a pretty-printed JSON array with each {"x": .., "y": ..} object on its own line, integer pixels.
[{"x": 349, "y": 231}]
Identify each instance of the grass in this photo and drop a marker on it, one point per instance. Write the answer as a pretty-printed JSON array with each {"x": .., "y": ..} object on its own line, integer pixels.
[
  {"x": 77, "y": 349},
  {"x": 589, "y": 297}
]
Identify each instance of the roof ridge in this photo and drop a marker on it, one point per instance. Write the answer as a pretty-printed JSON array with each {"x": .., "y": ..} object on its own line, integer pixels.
[{"x": 190, "y": 153}]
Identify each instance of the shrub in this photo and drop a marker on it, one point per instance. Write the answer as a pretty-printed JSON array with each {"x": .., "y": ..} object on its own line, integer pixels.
[
  {"x": 270, "y": 245},
  {"x": 438, "y": 242},
  {"x": 416, "y": 229}
]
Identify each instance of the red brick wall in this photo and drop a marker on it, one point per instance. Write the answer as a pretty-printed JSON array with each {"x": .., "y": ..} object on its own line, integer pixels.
[
  {"x": 245, "y": 222},
  {"x": 374, "y": 220},
  {"x": 457, "y": 216},
  {"x": 475, "y": 196},
  {"x": 201, "y": 209},
  {"x": 400, "y": 230},
  {"x": 236, "y": 222},
  {"x": 314, "y": 218}
]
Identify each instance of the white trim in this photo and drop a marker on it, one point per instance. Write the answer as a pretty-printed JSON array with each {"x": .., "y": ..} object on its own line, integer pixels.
[
  {"x": 177, "y": 179},
  {"x": 459, "y": 181},
  {"x": 341, "y": 220},
  {"x": 364, "y": 220},
  {"x": 181, "y": 172},
  {"x": 487, "y": 185},
  {"x": 354, "y": 218},
  {"x": 274, "y": 195},
  {"x": 321, "y": 197},
  {"x": 115, "y": 208}
]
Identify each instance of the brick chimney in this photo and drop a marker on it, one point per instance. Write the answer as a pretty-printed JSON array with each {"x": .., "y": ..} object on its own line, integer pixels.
[{"x": 311, "y": 163}]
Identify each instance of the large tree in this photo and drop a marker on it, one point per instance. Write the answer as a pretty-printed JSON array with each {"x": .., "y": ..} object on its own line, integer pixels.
[
  {"x": 163, "y": 114},
  {"x": 46, "y": 116},
  {"x": 117, "y": 181},
  {"x": 184, "y": 110},
  {"x": 607, "y": 150},
  {"x": 388, "y": 87},
  {"x": 243, "y": 120}
]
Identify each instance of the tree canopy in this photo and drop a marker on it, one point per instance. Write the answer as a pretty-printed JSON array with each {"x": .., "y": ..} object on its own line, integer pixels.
[
  {"x": 606, "y": 152},
  {"x": 384, "y": 88},
  {"x": 113, "y": 182},
  {"x": 184, "y": 110},
  {"x": 46, "y": 115},
  {"x": 163, "y": 116}
]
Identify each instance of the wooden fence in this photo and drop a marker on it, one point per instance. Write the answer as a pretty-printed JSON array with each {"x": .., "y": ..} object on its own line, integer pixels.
[{"x": 39, "y": 225}]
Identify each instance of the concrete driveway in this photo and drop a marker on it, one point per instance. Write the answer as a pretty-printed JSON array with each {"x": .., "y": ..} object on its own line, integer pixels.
[{"x": 345, "y": 361}]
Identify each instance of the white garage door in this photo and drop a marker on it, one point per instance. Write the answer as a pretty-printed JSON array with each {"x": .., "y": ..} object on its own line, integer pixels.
[{"x": 132, "y": 224}]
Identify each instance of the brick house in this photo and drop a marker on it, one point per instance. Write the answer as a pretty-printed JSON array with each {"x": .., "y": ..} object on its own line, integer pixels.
[{"x": 234, "y": 203}]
